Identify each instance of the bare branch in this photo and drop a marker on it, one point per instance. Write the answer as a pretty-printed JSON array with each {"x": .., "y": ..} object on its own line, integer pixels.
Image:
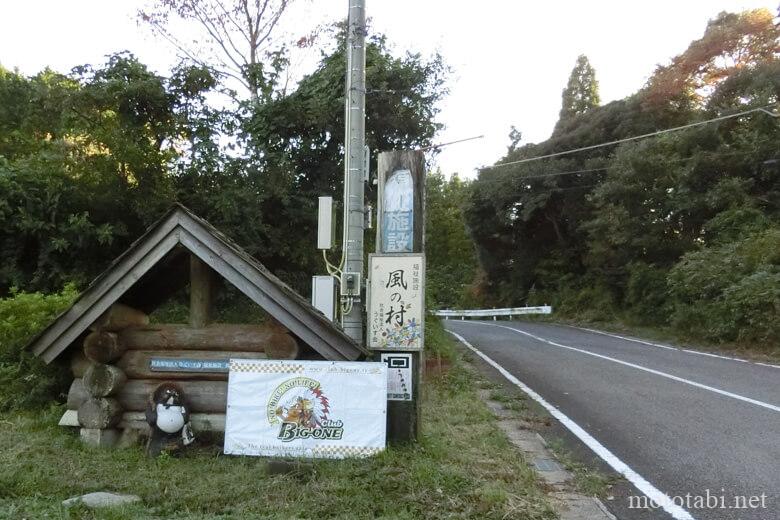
[
  {"x": 236, "y": 31},
  {"x": 233, "y": 21},
  {"x": 213, "y": 31}
]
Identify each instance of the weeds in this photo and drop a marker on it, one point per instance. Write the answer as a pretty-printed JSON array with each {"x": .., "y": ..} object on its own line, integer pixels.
[{"x": 463, "y": 467}]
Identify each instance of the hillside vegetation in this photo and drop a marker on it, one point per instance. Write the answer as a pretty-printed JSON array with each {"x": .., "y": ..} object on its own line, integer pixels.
[{"x": 681, "y": 229}]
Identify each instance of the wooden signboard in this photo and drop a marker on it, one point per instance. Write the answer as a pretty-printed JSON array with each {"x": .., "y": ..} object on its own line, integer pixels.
[
  {"x": 396, "y": 302},
  {"x": 400, "y": 245}
]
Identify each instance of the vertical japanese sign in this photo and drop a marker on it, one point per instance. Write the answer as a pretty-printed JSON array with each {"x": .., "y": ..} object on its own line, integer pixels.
[
  {"x": 396, "y": 302},
  {"x": 398, "y": 213}
]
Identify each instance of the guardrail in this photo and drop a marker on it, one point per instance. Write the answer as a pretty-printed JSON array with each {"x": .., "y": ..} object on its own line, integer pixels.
[{"x": 494, "y": 313}]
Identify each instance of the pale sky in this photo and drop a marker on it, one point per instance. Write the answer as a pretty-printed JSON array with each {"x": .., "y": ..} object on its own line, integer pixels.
[{"x": 510, "y": 58}]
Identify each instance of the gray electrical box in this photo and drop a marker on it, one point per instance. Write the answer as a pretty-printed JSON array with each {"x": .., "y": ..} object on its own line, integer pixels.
[
  {"x": 325, "y": 223},
  {"x": 323, "y": 295},
  {"x": 351, "y": 284}
]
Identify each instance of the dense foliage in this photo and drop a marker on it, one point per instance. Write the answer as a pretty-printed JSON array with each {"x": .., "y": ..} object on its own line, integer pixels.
[
  {"x": 25, "y": 381},
  {"x": 89, "y": 159},
  {"x": 679, "y": 229},
  {"x": 451, "y": 258},
  {"x": 581, "y": 92}
]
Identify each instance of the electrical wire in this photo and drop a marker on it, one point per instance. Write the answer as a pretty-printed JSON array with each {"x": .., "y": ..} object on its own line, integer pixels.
[
  {"x": 570, "y": 188},
  {"x": 442, "y": 145},
  {"x": 592, "y": 170},
  {"x": 557, "y": 174},
  {"x": 332, "y": 269},
  {"x": 346, "y": 305},
  {"x": 763, "y": 109}
]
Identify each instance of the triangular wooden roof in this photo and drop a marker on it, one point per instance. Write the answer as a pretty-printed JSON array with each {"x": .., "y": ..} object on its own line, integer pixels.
[{"x": 179, "y": 227}]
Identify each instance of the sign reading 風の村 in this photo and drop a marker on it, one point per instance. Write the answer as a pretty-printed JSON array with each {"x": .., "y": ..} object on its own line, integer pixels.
[
  {"x": 396, "y": 304},
  {"x": 312, "y": 409}
]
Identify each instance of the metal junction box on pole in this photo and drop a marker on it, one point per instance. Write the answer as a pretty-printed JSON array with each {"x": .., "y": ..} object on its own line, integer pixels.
[{"x": 323, "y": 295}]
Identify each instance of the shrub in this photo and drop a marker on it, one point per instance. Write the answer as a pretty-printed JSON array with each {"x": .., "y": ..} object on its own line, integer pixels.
[
  {"x": 438, "y": 344},
  {"x": 646, "y": 293},
  {"x": 730, "y": 292},
  {"x": 752, "y": 307},
  {"x": 25, "y": 381},
  {"x": 588, "y": 302}
]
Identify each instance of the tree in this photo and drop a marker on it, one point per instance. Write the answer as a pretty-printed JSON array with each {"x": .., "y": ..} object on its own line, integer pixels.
[
  {"x": 450, "y": 254},
  {"x": 84, "y": 168},
  {"x": 629, "y": 230},
  {"x": 731, "y": 42},
  {"x": 582, "y": 90},
  {"x": 292, "y": 152},
  {"x": 236, "y": 40}
]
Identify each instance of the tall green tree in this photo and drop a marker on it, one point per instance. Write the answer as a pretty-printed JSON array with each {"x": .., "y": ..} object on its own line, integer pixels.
[
  {"x": 582, "y": 90},
  {"x": 89, "y": 159},
  {"x": 450, "y": 254}
]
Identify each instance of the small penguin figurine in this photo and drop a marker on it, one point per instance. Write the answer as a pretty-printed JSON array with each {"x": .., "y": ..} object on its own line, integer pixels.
[{"x": 167, "y": 413}]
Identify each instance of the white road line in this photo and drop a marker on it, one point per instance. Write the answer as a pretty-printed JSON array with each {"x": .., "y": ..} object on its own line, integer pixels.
[
  {"x": 640, "y": 367},
  {"x": 653, "y": 493},
  {"x": 687, "y": 350}
]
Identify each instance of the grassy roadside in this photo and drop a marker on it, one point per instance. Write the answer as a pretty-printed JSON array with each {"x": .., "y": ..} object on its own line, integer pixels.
[
  {"x": 463, "y": 468},
  {"x": 588, "y": 479}
]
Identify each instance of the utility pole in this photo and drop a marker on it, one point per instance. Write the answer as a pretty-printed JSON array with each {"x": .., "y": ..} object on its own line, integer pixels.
[{"x": 355, "y": 173}]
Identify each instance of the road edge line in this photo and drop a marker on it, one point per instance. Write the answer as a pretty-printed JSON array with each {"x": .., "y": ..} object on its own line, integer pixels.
[
  {"x": 638, "y": 481},
  {"x": 653, "y": 371},
  {"x": 672, "y": 347}
]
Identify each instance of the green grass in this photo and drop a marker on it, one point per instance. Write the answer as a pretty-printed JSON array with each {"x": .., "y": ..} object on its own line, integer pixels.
[
  {"x": 587, "y": 480},
  {"x": 464, "y": 467}
]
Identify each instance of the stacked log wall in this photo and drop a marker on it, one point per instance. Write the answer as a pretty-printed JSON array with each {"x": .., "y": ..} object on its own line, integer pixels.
[{"x": 129, "y": 380}]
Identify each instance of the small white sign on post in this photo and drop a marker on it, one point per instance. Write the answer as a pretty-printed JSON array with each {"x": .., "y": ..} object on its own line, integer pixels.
[
  {"x": 312, "y": 409},
  {"x": 396, "y": 304},
  {"x": 399, "y": 375}
]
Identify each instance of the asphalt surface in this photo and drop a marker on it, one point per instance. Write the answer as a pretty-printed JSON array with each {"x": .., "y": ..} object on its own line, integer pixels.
[{"x": 682, "y": 438}]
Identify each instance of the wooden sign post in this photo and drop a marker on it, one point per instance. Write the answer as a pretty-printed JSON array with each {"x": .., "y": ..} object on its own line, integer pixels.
[{"x": 396, "y": 310}]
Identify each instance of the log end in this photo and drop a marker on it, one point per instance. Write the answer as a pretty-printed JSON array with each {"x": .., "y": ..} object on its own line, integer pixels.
[
  {"x": 282, "y": 346},
  {"x": 120, "y": 316},
  {"x": 103, "y": 380},
  {"x": 103, "y": 347},
  {"x": 99, "y": 413}
]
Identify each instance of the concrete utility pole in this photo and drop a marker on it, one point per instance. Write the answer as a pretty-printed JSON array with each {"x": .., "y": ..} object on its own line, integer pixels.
[{"x": 354, "y": 172}]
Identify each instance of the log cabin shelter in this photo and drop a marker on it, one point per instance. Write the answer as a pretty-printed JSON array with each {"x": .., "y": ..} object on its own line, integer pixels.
[
  {"x": 106, "y": 336},
  {"x": 151, "y": 270}
]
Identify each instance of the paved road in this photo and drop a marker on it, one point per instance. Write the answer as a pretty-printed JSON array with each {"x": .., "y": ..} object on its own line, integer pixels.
[{"x": 685, "y": 422}]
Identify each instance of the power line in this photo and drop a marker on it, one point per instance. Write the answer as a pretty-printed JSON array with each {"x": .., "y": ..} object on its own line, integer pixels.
[
  {"x": 556, "y": 174},
  {"x": 569, "y": 188},
  {"x": 591, "y": 170},
  {"x": 441, "y": 145},
  {"x": 763, "y": 109},
  {"x": 583, "y": 186}
]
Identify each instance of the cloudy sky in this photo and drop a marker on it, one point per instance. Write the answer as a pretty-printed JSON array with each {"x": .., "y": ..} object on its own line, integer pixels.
[{"x": 510, "y": 58}]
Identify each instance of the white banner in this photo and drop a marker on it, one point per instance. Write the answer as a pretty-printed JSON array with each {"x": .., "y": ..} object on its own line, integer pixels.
[{"x": 312, "y": 409}]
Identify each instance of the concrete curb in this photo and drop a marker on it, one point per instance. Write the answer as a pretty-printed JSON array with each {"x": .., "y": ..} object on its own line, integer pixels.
[{"x": 570, "y": 504}]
